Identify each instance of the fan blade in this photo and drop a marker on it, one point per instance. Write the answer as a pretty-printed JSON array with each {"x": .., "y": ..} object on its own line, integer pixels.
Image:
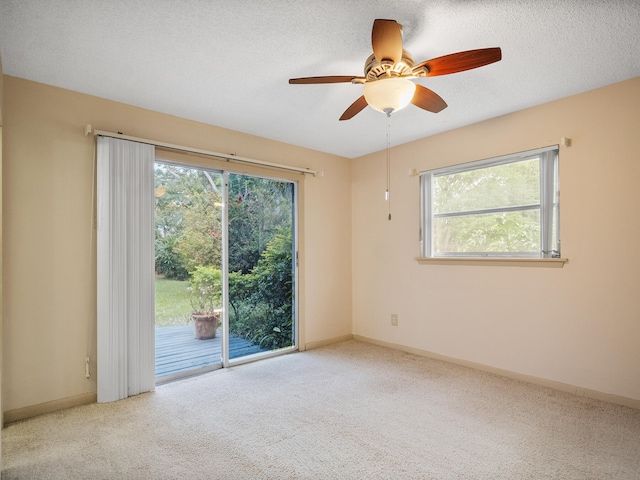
[
  {"x": 461, "y": 61},
  {"x": 428, "y": 100},
  {"x": 386, "y": 39},
  {"x": 355, "y": 108},
  {"x": 310, "y": 80}
]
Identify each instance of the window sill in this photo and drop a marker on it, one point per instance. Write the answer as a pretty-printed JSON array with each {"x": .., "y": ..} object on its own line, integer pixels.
[{"x": 495, "y": 262}]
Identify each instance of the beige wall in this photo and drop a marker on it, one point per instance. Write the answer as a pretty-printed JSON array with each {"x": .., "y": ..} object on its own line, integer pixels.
[
  {"x": 578, "y": 325},
  {"x": 49, "y": 257}
]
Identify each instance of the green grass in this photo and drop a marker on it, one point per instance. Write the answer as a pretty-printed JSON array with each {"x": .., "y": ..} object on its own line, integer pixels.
[{"x": 172, "y": 302}]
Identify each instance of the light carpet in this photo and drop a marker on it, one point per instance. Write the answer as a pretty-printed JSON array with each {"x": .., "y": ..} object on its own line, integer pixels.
[{"x": 347, "y": 411}]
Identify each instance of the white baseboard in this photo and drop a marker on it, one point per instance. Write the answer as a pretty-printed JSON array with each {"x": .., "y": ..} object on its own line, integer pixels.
[
  {"x": 563, "y": 387},
  {"x": 328, "y": 341},
  {"x": 48, "y": 407}
]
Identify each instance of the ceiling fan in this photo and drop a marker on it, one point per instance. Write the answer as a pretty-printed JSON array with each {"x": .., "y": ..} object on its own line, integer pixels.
[{"x": 389, "y": 70}]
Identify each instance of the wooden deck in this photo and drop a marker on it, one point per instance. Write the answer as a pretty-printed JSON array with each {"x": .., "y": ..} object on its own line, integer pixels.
[{"x": 177, "y": 350}]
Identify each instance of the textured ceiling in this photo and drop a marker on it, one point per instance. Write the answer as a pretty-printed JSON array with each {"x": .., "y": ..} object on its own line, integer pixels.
[{"x": 227, "y": 62}]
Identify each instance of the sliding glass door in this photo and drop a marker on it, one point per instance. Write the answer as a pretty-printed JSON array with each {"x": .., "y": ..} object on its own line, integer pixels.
[
  {"x": 189, "y": 262},
  {"x": 225, "y": 281},
  {"x": 261, "y": 256}
]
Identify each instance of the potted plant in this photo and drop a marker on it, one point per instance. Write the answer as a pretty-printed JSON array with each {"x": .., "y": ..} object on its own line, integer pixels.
[{"x": 206, "y": 296}]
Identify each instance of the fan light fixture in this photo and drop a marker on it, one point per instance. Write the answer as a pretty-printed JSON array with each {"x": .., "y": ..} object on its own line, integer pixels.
[{"x": 389, "y": 95}]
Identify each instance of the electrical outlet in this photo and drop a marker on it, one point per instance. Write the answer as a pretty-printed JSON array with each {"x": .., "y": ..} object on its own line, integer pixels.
[{"x": 394, "y": 319}]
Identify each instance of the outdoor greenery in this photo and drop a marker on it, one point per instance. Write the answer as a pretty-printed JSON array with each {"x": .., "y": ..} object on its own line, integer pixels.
[
  {"x": 261, "y": 301},
  {"x": 172, "y": 302},
  {"x": 188, "y": 219},
  {"x": 513, "y": 184},
  {"x": 206, "y": 289},
  {"x": 189, "y": 247},
  {"x": 258, "y": 207},
  {"x": 168, "y": 261}
]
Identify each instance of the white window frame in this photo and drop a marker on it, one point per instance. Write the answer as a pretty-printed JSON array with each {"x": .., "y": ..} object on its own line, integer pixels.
[{"x": 549, "y": 202}]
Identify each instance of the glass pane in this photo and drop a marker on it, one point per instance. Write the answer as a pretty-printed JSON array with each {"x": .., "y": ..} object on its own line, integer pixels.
[
  {"x": 513, "y": 232},
  {"x": 555, "y": 240},
  {"x": 555, "y": 244},
  {"x": 188, "y": 242},
  {"x": 508, "y": 185},
  {"x": 261, "y": 262}
]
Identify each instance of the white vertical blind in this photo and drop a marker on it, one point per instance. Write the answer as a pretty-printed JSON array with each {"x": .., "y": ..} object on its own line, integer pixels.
[{"x": 125, "y": 249}]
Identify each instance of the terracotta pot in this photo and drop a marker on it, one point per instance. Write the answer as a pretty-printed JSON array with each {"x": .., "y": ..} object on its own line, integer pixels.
[{"x": 206, "y": 325}]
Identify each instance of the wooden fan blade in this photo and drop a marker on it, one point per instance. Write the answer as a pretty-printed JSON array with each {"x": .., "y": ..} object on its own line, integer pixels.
[
  {"x": 461, "y": 61},
  {"x": 355, "y": 108},
  {"x": 386, "y": 39},
  {"x": 428, "y": 100},
  {"x": 310, "y": 80}
]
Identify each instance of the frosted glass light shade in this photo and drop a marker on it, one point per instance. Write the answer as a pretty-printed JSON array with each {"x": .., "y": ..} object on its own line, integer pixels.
[{"x": 389, "y": 95}]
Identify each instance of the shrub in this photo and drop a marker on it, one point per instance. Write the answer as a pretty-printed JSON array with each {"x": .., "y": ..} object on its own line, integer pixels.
[
  {"x": 168, "y": 261},
  {"x": 206, "y": 289},
  {"x": 261, "y": 301}
]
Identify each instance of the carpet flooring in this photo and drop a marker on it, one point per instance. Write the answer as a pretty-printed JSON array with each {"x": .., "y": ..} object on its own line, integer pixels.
[{"x": 351, "y": 410}]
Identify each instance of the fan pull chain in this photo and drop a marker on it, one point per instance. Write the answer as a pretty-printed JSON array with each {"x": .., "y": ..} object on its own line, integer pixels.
[{"x": 388, "y": 191}]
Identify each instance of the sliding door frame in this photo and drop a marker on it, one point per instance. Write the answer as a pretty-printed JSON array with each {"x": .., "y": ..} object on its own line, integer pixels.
[{"x": 225, "y": 360}]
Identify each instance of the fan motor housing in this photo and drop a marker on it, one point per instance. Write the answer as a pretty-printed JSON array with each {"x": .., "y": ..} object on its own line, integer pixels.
[{"x": 374, "y": 70}]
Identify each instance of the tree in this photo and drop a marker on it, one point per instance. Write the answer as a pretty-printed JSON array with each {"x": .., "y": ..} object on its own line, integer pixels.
[
  {"x": 486, "y": 188},
  {"x": 200, "y": 242},
  {"x": 257, "y": 208},
  {"x": 188, "y": 219}
]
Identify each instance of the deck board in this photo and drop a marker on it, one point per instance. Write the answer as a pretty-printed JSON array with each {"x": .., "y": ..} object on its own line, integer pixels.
[{"x": 177, "y": 349}]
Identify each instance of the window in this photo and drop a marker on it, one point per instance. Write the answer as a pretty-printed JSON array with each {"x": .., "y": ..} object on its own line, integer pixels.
[{"x": 500, "y": 207}]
